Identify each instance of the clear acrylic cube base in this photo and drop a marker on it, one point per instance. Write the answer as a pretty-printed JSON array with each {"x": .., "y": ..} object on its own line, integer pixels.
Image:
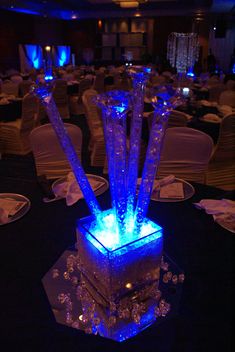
[{"x": 116, "y": 301}]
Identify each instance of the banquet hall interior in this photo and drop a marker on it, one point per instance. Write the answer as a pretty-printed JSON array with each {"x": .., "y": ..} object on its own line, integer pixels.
[{"x": 126, "y": 105}]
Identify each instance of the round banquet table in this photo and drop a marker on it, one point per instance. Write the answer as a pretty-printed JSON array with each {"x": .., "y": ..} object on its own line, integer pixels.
[{"x": 31, "y": 245}]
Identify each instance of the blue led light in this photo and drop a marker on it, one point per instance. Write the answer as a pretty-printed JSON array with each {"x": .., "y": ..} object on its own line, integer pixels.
[
  {"x": 105, "y": 237},
  {"x": 48, "y": 78},
  {"x": 190, "y": 74}
]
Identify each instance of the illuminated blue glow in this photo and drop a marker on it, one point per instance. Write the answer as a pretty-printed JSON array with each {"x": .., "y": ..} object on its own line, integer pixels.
[
  {"x": 62, "y": 55},
  {"x": 190, "y": 74},
  {"x": 233, "y": 69},
  {"x": 27, "y": 11},
  {"x": 104, "y": 235},
  {"x": 48, "y": 78},
  {"x": 34, "y": 55}
]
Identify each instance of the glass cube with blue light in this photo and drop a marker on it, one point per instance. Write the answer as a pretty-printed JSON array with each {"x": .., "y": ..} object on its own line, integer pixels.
[{"x": 117, "y": 267}]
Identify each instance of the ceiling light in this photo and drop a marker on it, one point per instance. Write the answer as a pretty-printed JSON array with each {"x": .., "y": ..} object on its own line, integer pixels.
[{"x": 129, "y": 3}]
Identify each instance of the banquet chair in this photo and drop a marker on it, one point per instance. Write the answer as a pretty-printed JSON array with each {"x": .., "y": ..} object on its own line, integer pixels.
[
  {"x": 24, "y": 87},
  {"x": 177, "y": 119},
  {"x": 10, "y": 88},
  {"x": 221, "y": 168},
  {"x": 99, "y": 82},
  {"x": 49, "y": 157},
  {"x": 185, "y": 154},
  {"x": 76, "y": 106},
  {"x": 61, "y": 99},
  {"x": 15, "y": 134},
  {"x": 93, "y": 117},
  {"x": 16, "y": 79},
  {"x": 227, "y": 98},
  {"x": 215, "y": 91}
]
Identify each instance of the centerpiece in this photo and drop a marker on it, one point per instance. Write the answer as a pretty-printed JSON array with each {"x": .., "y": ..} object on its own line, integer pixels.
[{"x": 120, "y": 249}]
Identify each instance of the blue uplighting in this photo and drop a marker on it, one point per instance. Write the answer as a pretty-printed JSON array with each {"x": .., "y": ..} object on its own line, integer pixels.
[
  {"x": 27, "y": 11},
  {"x": 233, "y": 68},
  {"x": 34, "y": 55},
  {"x": 62, "y": 55}
]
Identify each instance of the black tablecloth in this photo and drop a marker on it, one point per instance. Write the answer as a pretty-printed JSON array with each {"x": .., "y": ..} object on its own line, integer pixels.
[
  {"x": 11, "y": 111},
  {"x": 31, "y": 245}
]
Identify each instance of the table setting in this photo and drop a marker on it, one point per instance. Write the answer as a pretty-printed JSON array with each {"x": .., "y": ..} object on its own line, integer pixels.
[{"x": 116, "y": 282}]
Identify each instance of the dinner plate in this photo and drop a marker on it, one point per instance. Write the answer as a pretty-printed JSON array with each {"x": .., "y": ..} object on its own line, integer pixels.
[
  {"x": 187, "y": 188},
  {"x": 229, "y": 226},
  {"x": 22, "y": 211},
  {"x": 99, "y": 191}
]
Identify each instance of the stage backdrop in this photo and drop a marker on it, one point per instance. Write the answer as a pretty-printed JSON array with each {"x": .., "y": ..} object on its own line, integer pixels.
[
  {"x": 30, "y": 57},
  {"x": 61, "y": 55}
]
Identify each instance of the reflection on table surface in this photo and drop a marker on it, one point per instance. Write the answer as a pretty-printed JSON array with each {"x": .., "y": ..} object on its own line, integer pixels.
[{"x": 31, "y": 245}]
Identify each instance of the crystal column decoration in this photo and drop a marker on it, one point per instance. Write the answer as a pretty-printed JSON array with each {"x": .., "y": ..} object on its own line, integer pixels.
[
  {"x": 182, "y": 50},
  {"x": 114, "y": 105},
  {"x": 44, "y": 94},
  {"x": 163, "y": 102},
  {"x": 139, "y": 75}
]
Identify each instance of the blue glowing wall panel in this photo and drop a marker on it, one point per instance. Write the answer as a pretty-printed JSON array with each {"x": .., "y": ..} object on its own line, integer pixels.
[
  {"x": 30, "y": 56},
  {"x": 61, "y": 55}
]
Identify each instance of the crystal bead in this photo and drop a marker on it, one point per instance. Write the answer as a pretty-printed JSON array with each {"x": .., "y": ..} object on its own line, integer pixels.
[
  {"x": 136, "y": 318},
  {"x": 175, "y": 279},
  {"x": 85, "y": 319},
  {"x": 169, "y": 275},
  {"x": 142, "y": 307},
  {"x": 61, "y": 298},
  {"x": 165, "y": 278},
  {"x": 162, "y": 303},
  {"x": 181, "y": 278},
  {"x": 165, "y": 266},
  {"x": 69, "y": 319},
  {"x": 55, "y": 273},
  {"x": 157, "y": 312},
  {"x": 113, "y": 307},
  {"x": 66, "y": 275},
  {"x": 158, "y": 295},
  {"x": 79, "y": 292}
]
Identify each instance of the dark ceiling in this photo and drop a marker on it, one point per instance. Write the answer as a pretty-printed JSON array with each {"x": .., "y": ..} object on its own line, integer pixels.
[{"x": 75, "y": 9}]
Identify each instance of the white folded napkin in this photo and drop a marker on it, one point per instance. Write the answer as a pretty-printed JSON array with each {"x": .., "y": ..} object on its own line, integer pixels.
[
  {"x": 167, "y": 186},
  {"x": 8, "y": 208},
  {"x": 70, "y": 189},
  {"x": 222, "y": 210}
]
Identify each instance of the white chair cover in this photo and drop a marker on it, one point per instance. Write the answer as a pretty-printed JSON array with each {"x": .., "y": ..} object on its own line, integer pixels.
[
  {"x": 61, "y": 98},
  {"x": 185, "y": 154},
  {"x": 16, "y": 79},
  {"x": 221, "y": 169},
  {"x": 8, "y": 87},
  {"x": 227, "y": 98},
  {"x": 15, "y": 134},
  {"x": 49, "y": 157}
]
